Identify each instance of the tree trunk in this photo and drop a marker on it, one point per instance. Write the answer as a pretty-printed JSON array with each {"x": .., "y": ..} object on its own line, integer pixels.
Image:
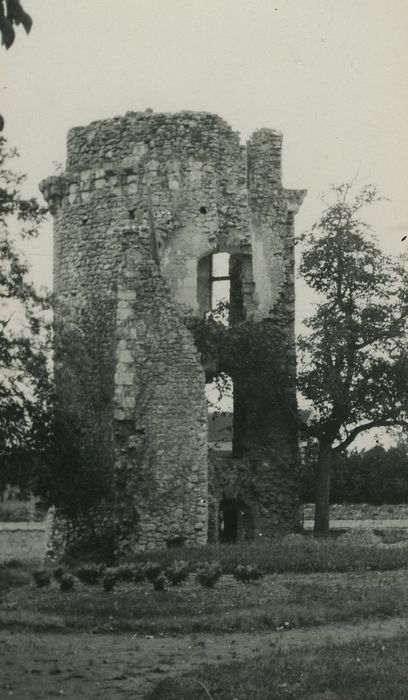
[{"x": 322, "y": 498}]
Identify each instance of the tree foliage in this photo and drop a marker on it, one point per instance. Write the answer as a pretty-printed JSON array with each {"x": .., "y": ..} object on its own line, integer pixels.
[
  {"x": 251, "y": 352},
  {"x": 12, "y": 14},
  {"x": 70, "y": 476},
  {"x": 376, "y": 476},
  {"x": 354, "y": 362},
  {"x": 25, "y": 388}
]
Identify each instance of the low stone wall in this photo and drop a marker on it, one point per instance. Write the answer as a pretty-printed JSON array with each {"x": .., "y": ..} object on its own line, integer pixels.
[
  {"x": 361, "y": 511},
  {"x": 399, "y": 524},
  {"x": 23, "y": 541}
]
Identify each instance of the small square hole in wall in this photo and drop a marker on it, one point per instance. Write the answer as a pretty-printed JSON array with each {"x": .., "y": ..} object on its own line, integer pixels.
[{"x": 203, "y": 210}]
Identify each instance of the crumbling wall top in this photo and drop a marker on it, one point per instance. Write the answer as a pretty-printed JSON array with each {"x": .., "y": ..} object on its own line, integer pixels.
[{"x": 124, "y": 136}]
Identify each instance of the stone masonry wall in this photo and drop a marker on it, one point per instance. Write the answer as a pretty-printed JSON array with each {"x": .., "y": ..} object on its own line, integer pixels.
[
  {"x": 160, "y": 423},
  {"x": 144, "y": 197}
]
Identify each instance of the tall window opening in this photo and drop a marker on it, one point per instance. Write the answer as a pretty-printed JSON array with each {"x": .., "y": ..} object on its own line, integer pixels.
[
  {"x": 225, "y": 289},
  {"x": 220, "y": 406},
  {"x": 225, "y": 286},
  {"x": 220, "y": 284},
  {"x": 213, "y": 285}
]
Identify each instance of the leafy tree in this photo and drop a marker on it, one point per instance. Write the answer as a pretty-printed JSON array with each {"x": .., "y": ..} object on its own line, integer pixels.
[
  {"x": 25, "y": 388},
  {"x": 374, "y": 476},
  {"x": 354, "y": 363},
  {"x": 378, "y": 475},
  {"x": 12, "y": 14}
]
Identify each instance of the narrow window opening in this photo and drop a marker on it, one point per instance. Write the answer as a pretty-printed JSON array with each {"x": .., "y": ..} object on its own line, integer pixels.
[
  {"x": 220, "y": 404},
  {"x": 225, "y": 290},
  {"x": 214, "y": 286},
  {"x": 220, "y": 286},
  {"x": 225, "y": 287}
]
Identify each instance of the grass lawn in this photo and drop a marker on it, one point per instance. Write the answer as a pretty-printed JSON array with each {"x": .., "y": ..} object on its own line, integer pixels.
[
  {"x": 278, "y": 600},
  {"x": 297, "y": 553},
  {"x": 364, "y": 671},
  {"x": 306, "y": 583}
]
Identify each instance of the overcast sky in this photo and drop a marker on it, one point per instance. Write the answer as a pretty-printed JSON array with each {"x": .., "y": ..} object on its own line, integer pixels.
[{"x": 332, "y": 75}]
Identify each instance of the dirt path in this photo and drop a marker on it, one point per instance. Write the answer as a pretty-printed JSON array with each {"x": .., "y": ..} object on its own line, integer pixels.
[{"x": 36, "y": 666}]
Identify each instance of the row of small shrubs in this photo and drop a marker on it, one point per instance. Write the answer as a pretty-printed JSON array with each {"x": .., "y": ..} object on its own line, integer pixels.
[
  {"x": 207, "y": 575},
  {"x": 93, "y": 574},
  {"x": 42, "y": 578},
  {"x": 295, "y": 553}
]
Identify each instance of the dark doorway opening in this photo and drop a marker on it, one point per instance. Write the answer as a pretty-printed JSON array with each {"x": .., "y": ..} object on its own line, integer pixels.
[{"x": 232, "y": 519}]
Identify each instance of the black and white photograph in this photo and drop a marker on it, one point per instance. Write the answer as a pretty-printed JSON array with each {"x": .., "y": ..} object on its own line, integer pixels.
[{"x": 204, "y": 349}]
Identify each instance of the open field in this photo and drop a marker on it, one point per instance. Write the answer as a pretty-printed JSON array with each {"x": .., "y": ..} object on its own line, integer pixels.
[
  {"x": 27, "y": 540},
  {"x": 24, "y": 540},
  {"x": 381, "y": 519},
  {"x": 361, "y": 511},
  {"x": 329, "y": 620}
]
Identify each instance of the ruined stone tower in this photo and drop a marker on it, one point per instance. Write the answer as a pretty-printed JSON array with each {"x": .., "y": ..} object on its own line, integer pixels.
[{"x": 145, "y": 204}]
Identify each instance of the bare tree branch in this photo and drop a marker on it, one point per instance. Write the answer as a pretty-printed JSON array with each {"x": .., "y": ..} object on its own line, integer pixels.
[{"x": 390, "y": 423}]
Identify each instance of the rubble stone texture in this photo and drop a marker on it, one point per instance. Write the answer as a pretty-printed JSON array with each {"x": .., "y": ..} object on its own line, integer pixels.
[{"x": 144, "y": 200}]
